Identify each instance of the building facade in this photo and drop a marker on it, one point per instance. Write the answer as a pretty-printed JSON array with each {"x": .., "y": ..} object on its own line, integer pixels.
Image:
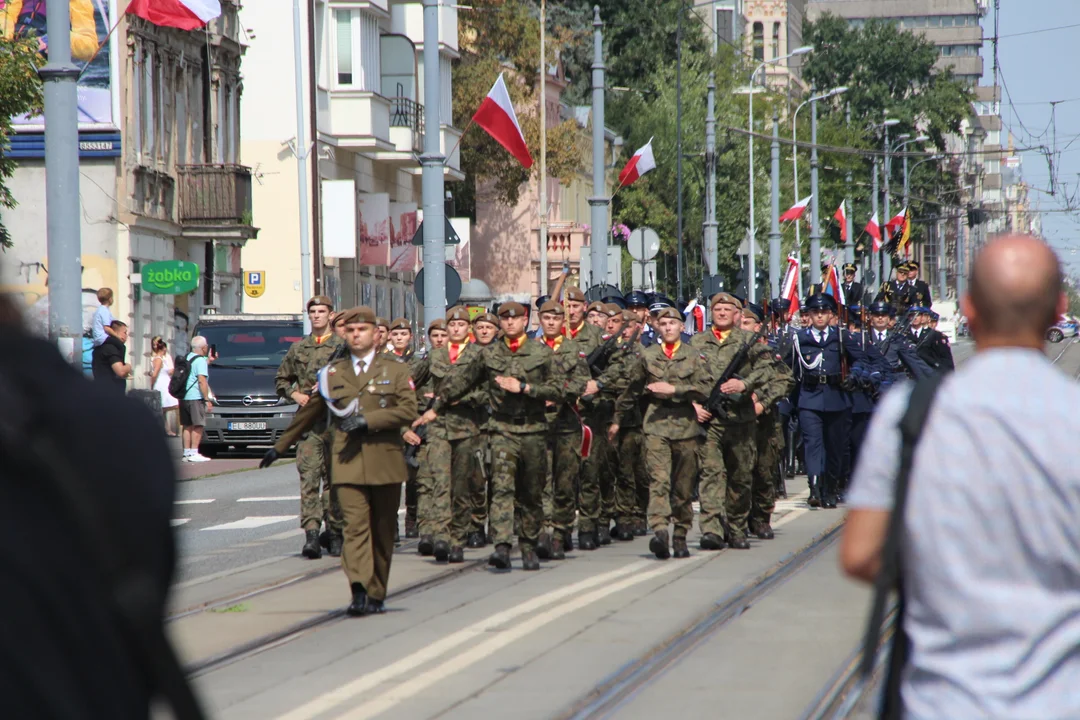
[{"x": 761, "y": 30}]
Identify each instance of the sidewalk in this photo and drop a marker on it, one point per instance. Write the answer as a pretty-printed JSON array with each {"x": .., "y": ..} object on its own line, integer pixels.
[{"x": 194, "y": 471}]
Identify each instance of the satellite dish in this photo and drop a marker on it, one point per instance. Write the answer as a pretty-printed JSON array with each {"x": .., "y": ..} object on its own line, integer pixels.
[
  {"x": 644, "y": 244},
  {"x": 453, "y": 286}
]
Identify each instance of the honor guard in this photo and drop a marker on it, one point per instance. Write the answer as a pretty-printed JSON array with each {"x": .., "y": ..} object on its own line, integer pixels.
[
  {"x": 895, "y": 347},
  {"x": 853, "y": 291},
  {"x": 920, "y": 290},
  {"x": 930, "y": 344}
]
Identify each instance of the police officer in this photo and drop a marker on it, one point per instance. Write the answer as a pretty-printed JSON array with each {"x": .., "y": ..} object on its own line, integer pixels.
[
  {"x": 371, "y": 397},
  {"x": 295, "y": 380},
  {"x": 895, "y": 346}
]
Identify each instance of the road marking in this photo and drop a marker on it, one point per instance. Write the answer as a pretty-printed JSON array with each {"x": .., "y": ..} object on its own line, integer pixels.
[
  {"x": 252, "y": 521},
  {"x": 194, "y": 502},
  {"x": 792, "y": 515},
  {"x": 287, "y": 535},
  {"x": 486, "y": 649},
  {"x": 280, "y": 498},
  {"x": 330, "y": 700},
  {"x": 179, "y": 521}
]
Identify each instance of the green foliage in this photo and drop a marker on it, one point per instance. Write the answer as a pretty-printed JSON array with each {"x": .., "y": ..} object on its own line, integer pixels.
[{"x": 20, "y": 93}]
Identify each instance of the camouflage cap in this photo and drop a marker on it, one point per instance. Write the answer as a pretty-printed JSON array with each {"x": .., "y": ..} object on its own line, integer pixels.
[
  {"x": 669, "y": 312},
  {"x": 726, "y": 299},
  {"x": 400, "y": 324},
  {"x": 612, "y": 310},
  {"x": 360, "y": 314},
  {"x": 436, "y": 324},
  {"x": 382, "y": 322},
  {"x": 458, "y": 312},
  {"x": 574, "y": 293},
  {"x": 552, "y": 307},
  {"x": 595, "y": 306},
  {"x": 488, "y": 318},
  {"x": 320, "y": 300},
  {"x": 512, "y": 309}
]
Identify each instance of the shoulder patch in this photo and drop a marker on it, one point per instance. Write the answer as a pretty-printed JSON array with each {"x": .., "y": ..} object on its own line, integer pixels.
[{"x": 412, "y": 385}]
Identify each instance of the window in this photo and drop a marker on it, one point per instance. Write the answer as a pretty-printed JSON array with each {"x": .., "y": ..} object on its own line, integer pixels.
[
  {"x": 343, "y": 23},
  {"x": 725, "y": 27},
  {"x": 775, "y": 40},
  {"x": 357, "y": 49},
  {"x": 934, "y": 21},
  {"x": 759, "y": 41},
  {"x": 946, "y": 21}
]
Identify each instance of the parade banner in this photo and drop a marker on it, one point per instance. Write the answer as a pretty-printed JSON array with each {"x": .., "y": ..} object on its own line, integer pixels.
[{"x": 373, "y": 228}]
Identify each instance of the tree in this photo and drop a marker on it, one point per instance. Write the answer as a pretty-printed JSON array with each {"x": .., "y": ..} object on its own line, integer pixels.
[{"x": 20, "y": 93}]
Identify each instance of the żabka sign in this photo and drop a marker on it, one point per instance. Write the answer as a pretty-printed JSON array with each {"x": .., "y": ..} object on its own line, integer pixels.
[{"x": 170, "y": 277}]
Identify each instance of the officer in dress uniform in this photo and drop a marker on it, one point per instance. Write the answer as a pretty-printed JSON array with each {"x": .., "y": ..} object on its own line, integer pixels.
[
  {"x": 930, "y": 344},
  {"x": 853, "y": 291},
  {"x": 919, "y": 288},
  {"x": 895, "y": 346}
]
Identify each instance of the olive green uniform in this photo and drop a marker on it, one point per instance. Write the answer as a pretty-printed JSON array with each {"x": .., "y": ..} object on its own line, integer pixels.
[
  {"x": 426, "y": 493},
  {"x": 779, "y": 383},
  {"x": 299, "y": 372},
  {"x": 568, "y": 363},
  {"x": 631, "y": 481},
  {"x": 593, "y": 468}
]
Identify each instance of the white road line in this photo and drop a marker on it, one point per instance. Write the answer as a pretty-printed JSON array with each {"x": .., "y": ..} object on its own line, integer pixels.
[
  {"x": 193, "y": 502},
  {"x": 287, "y": 535},
  {"x": 410, "y": 688},
  {"x": 280, "y": 498},
  {"x": 179, "y": 521},
  {"x": 364, "y": 683},
  {"x": 252, "y": 521}
]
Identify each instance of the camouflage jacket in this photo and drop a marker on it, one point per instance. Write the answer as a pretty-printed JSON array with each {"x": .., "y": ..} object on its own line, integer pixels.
[
  {"x": 753, "y": 372},
  {"x": 299, "y": 370},
  {"x": 673, "y": 418},
  {"x": 420, "y": 366},
  {"x": 568, "y": 362},
  {"x": 515, "y": 413},
  {"x": 588, "y": 337},
  {"x": 779, "y": 381},
  {"x": 614, "y": 380},
  {"x": 464, "y": 418}
]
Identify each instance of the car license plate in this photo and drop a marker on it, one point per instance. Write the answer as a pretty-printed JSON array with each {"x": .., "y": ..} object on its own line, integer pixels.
[{"x": 247, "y": 426}]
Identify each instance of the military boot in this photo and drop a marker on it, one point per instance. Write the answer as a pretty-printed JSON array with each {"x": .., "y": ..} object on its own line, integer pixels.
[
  {"x": 476, "y": 540},
  {"x": 529, "y": 561},
  {"x": 568, "y": 540},
  {"x": 603, "y": 533},
  {"x": 411, "y": 529},
  {"x": 641, "y": 528},
  {"x": 337, "y": 540},
  {"x": 712, "y": 541},
  {"x": 426, "y": 546},
  {"x": 828, "y": 492},
  {"x": 623, "y": 533},
  {"x": 815, "y": 491},
  {"x": 457, "y": 555},
  {"x": 543, "y": 546},
  {"x": 324, "y": 539},
  {"x": 678, "y": 546},
  {"x": 441, "y": 551},
  {"x": 761, "y": 529},
  {"x": 358, "y": 606},
  {"x": 738, "y": 542},
  {"x": 659, "y": 545},
  {"x": 586, "y": 540},
  {"x": 500, "y": 559},
  {"x": 312, "y": 548},
  {"x": 557, "y": 551}
]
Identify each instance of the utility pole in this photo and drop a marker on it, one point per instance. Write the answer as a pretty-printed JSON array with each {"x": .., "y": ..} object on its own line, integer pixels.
[
  {"x": 432, "y": 185},
  {"x": 939, "y": 228},
  {"x": 815, "y": 221},
  {"x": 301, "y": 167},
  {"x": 710, "y": 224},
  {"x": 678, "y": 155},
  {"x": 886, "y": 259},
  {"x": 543, "y": 152},
  {"x": 960, "y": 280},
  {"x": 849, "y": 222},
  {"x": 62, "y": 186},
  {"x": 774, "y": 227},
  {"x": 599, "y": 201},
  {"x": 874, "y": 254}
]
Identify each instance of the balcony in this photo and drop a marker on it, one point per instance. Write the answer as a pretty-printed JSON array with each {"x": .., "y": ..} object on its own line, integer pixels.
[
  {"x": 215, "y": 201},
  {"x": 406, "y": 125},
  {"x": 355, "y": 119}
]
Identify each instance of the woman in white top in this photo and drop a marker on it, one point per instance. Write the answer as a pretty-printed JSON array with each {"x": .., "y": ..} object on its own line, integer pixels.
[{"x": 161, "y": 369}]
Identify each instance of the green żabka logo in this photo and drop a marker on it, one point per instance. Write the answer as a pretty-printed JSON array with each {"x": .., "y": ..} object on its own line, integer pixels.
[{"x": 170, "y": 277}]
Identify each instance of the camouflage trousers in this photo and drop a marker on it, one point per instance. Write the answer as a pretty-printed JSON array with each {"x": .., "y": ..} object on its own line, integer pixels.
[
  {"x": 519, "y": 469},
  {"x": 480, "y": 498},
  {"x": 671, "y": 466},
  {"x": 727, "y": 468},
  {"x": 432, "y": 496},
  {"x": 317, "y": 502},
  {"x": 631, "y": 483},
  {"x": 410, "y": 497},
  {"x": 769, "y": 438},
  {"x": 596, "y": 501},
  {"x": 565, "y": 450},
  {"x": 453, "y": 466}
]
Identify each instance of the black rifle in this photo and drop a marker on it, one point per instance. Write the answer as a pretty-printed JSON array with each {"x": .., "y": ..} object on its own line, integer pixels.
[
  {"x": 719, "y": 401},
  {"x": 411, "y": 450},
  {"x": 600, "y": 357}
]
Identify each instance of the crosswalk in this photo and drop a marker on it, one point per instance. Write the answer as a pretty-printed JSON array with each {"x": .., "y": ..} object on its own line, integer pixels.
[{"x": 248, "y": 522}]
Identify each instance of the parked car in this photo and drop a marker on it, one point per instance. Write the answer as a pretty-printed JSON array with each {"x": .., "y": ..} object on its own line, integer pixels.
[
  {"x": 249, "y": 349},
  {"x": 1066, "y": 327}
]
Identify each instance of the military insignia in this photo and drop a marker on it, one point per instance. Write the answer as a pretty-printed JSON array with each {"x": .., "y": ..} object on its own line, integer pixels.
[
  {"x": 412, "y": 385},
  {"x": 383, "y": 382},
  {"x": 382, "y": 402},
  {"x": 332, "y": 371}
]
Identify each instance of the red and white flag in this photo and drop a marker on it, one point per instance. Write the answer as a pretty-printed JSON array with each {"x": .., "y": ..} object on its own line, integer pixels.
[
  {"x": 497, "y": 116},
  {"x": 790, "y": 288},
  {"x": 642, "y": 162},
  {"x": 841, "y": 217},
  {"x": 874, "y": 232},
  {"x": 180, "y": 14},
  {"x": 896, "y": 223},
  {"x": 796, "y": 211}
]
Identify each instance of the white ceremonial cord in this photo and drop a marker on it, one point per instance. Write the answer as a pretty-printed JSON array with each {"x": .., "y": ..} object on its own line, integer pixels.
[
  {"x": 798, "y": 353},
  {"x": 324, "y": 390}
]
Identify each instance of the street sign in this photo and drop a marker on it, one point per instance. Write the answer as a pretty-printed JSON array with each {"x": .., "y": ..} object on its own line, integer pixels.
[
  {"x": 643, "y": 275},
  {"x": 170, "y": 277},
  {"x": 643, "y": 244},
  {"x": 254, "y": 283},
  {"x": 453, "y": 286},
  {"x": 452, "y": 237}
]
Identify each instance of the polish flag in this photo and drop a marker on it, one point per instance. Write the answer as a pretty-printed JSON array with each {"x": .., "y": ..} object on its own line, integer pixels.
[
  {"x": 896, "y": 223},
  {"x": 875, "y": 232},
  {"x": 497, "y": 116},
  {"x": 841, "y": 217},
  {"x": 180, "y": 14},
  {"x": 790, "y": 287},
  {"x": 795, "y": 211},
  {"x": 833, "y": 286},
  {"x": 641, "y": 163}
]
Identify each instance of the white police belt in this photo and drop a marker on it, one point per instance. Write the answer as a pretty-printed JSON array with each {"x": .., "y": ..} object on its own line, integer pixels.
[{"x": 324, "y": 390}]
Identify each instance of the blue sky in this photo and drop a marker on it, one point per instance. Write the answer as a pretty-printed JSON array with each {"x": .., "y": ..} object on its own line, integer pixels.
[{"x": 1039, "y": 68}]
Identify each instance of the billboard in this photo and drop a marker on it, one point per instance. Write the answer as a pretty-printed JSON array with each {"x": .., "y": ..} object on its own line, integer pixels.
[
  {"x": 373, "y": 228},
  {"x": 91, "y": 21},
  {"x": 402, "y": 229}
]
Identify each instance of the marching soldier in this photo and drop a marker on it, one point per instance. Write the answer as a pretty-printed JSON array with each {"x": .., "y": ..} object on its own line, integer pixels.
[
  {"x": 426, "y": 492},
  {"x": 371, "y": 397},
  {"x": 296, "y": 380},
  {"x": 673, "y": 376},
  {"x": 382, "y": 334},
  {"x": 602, "y": 407},
  {"x": 401, "y": 339},
  {"x": 728, "y": 454},
  {"x": 920, "y": 289},
  {"x": 930, "y": 344},
  {"x": 485, "y": 330},
  {"x": 518, "y": 376}
]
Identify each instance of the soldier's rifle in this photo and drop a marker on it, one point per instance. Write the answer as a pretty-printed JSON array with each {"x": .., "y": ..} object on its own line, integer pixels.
[
  {"x": 719, "y": 401},
  {"x": 411, "y": 451}
]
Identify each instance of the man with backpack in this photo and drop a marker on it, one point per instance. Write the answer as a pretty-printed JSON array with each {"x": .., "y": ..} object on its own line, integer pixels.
[{"x": 190, "y": 385}]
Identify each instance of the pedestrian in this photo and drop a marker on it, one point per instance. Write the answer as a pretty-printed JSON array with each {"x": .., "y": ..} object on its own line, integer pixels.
[
  {"x": 197, "y": 401},
  {"x": 160, "y": 372},
  {"x": 371, "y": 397},
  {"x": 101, "y": 325},
  {"x": 110, "y": 358},
  {"x": 989, "y": 548}
]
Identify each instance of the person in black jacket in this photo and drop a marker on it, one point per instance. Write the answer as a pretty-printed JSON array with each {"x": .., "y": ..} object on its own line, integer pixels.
[
  {"x": 930, "y": 344},
  {"x": 853, "y": 291}
]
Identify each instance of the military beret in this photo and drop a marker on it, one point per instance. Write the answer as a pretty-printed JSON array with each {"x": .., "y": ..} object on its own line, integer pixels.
[
  {"x": 612, "y": 310},
  {"x": 753, "y": 310},
  {"x": 400, "y": 324},
  {"x": 512, "y": 309},
  {"x": 821, "y": 301},
  {"x": 574, "y": 293},
  {"x": 850, "y": 267},
  {"x": 459, "y": 312},
  {"x": 320, "y": 300},
  {"x": 551, "y": 307},
  {"x": 488, "y": 318},
  {"x": 726, "y": 298},
  {"x": 436, "y": 324},
  {"x": 669, "y": 312},
  {"x": 628, "y": 316},
  {"x": 382, "y": 322},
  {"x": 361, "y": 314},
  {"x": 596, "y": 306}
]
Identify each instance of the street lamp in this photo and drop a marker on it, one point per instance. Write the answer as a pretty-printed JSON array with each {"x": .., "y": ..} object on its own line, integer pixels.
[
  {"x": 905, "y": 137},
  {"x": 751, "y": 284},
  {"x": 795, "y": 156},
  {"x": 886, "y": 261}
]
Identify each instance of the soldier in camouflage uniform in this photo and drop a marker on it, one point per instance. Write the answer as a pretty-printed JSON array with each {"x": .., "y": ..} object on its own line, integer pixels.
[
  {"x": 429, "y": 495},
  {"x": 673, "y": 377},
  {"x": 779, "y": 384},
  {"x": 518, "y": 376},
  {"x": 382, "y": 335},
  {"x": 603, "y": 409},
  {"x": 728, "y": 454},
  {"x": 296, "y": 379},
  {"x": 568, "y": 363},
  {"x": 485, "y": 330}
]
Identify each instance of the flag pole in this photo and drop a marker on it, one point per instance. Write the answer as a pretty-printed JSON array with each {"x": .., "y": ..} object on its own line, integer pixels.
[{"x": 451, "y": 153}]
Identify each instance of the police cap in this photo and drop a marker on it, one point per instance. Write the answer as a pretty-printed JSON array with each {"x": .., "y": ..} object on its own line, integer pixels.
[
  {"x": 753, "y": 310},
  {"x": 541, "y": 300},
  {"x": 616, "y": 300},
  {"x": 636, "y": 298},
  {"x": 880, "y": 307},
  {"x": 780, "y": 305},
  {"x": 821, "y": 301}
]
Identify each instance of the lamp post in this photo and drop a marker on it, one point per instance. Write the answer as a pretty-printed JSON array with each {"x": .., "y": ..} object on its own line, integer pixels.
[
  {"x": 752, "y": 281},
  {"x": 886, "y": 261},
  {"x": 900, "y": 146}
]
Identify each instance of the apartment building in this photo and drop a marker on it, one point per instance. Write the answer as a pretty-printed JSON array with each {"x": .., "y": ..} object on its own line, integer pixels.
[{"x": 762, "y": 30}]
